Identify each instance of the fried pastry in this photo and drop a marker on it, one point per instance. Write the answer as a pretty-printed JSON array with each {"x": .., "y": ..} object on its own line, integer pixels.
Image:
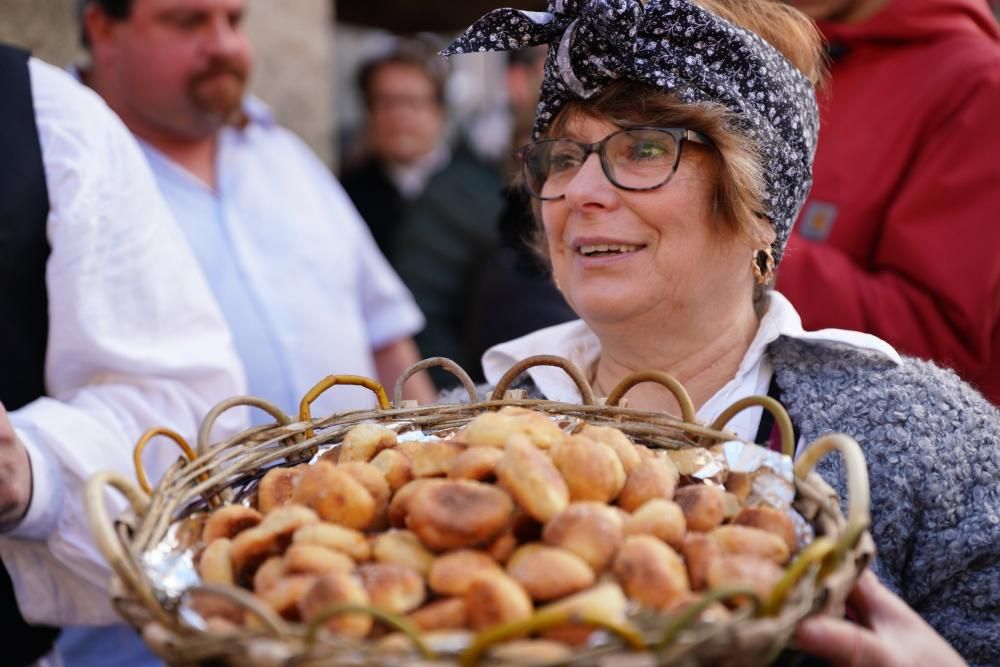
[
  {"x": 503, "y": 546},
  {"x": 394, "y": 466},
  {"x": 592, "y": 470},
  {"x": 655, "y": 478},
  {"x": 363, "y": 442},
  {"x": 375, "y": 483},
  {"x": 451, "y": 573},
  {"x": 477, "y": 463},
  {"x": 626, "y": 451},
  {"x": 771, "y": 520},
  {"x": 347, "y": 541},
  {"x": 337, "y": 588},
  {"x": 704, "y": 506},
  {"x": 735, "y": 540},
  {"x": 532, "y": 479},
  {"x": 392, "y": 587},
  {"x": 399, "y": 505},
  {"x": 276, "y": 487},
  {"x": 268, "y": 574},
  {"x": 660, "y": 518},
  {"x": 605, "y": 601},
  {"x": 433, "y": 458},
  {"x": 699, "y": 550},
  {"x": 315, "y": 560},
  {"x": 286, "y": 593},
  {"x": 651, "y": 572},
  {"x": 757, "y": 574},
  {"x": 589, "y": 529},
  {"x": 228, "y": 521},
  {"x": 250, "y": 549},
  {"x": 494, "y": 429},
  {"x": 443, "y": 614},
  {"x": 549, "y": 573},
  {"x": 215, "y": 566},
  {"x": 494, "y": 598},
  {"x": 458, "y": 514},
  {"x": 403, "y": 547},
  {"x": 336, "y": 496}
]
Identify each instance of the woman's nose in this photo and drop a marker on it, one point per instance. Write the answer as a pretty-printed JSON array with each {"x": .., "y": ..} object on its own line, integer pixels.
[{"x": 590, "y": 187}]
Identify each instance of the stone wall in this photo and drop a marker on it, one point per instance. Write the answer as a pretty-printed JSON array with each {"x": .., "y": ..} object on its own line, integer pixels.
[{"x": 292, "y": 39}]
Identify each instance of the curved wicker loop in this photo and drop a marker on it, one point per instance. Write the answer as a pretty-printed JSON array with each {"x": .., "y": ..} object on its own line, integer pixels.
[
  {"x": 781, "y": 418},
  {"x": 332, "y": 381},
  {"x": 396, "y": 621},
  {"x": 691, "y": 613},
  {"x": 140, "y": 470},
  {"x": 271, "y": 621},
  {"x": 431, "y": 362},
  {"x": 542, "y": 620},
  {"x": 811, "y": 556},
  {"x": 109, "y": 544},
  {"x": 688, "y": 413},
  {"x": 205, "y": 432},
  {"x": 586, "y": 391},
  {"x": 858, "y": 493}
]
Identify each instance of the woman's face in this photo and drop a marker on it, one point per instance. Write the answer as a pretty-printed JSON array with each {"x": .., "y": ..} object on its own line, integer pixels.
[{"x": 664, "y": 257}]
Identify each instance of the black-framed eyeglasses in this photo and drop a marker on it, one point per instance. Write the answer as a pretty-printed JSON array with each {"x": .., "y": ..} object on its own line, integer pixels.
[{"x": 636, "y": 158}]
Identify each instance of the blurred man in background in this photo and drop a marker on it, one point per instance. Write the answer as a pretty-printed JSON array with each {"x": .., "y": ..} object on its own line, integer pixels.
[
  {"x": 899, "y": 236},
  {"x": 431, "y": 208}
]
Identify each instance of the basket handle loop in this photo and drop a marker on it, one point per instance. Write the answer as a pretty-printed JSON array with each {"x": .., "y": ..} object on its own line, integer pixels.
[
  {"x": 332, "y": 381},
  {"x": 781, "y": 418},
  {"x": 586, "y": 391},
  {"x": 108, "y": 542},
  {"x": 431, "y": 362},
  {"x": 140, "y": 447},
  {"x": 205, "y": 432},
  {"x": 688, "y": 413},
  {"x": 858, "y": 490}
]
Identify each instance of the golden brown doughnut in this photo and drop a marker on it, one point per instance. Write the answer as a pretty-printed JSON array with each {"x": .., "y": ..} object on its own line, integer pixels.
[
  {"x": 451, "y": 573},
  {"x": 477, "y": 463},
  {"x": 494, "y": 429},
  {"x": 493, "y": 598},
  {"x": 655, "y": 478},
  {"x": 285, "y": 520},
  {"x": 215, "y": 566},
  {"x": 734, "y": 540},
  {"x": 651, "y": 572},
  {"x": 337, "y": 588},
  {"x": 403, "y": 547},
  {"x": 399, "y": 505},
  {"x": 458, "y": 514},
  {"x": 345, "y": 540},
  {"x": 269, "y": 573},
  {"x": 250, "y": 549},
  {"x": 364, "y": 441},
  {"x": 592, "y": 470},
  {"x": 704, "y": 506},
  {"x": 771, "y": 520},
  {"x": 548, "y": 573},
  {"x": 660, "y": 518},
  {"x": 443, "y": 614},
  {"x": 589, "y": 529},
  {"x": 532, "y": 479},
  {"x": 756, "y": 574},
  {"x": 392, "y": 587},
  {"x": 286, "y": 593},
  {"x": 699, "y": 550},
  {"x": 432, "y": 458},
  {"x": 624, "y": 448},
  {"x": 228, "y": 521},
  {"x": 315, "y": 560},
  {"x": 394, "y": 466},
  {"x": 375, "y": 483},
  {"x": 276, "y": 487},
  {"x": 605, "y": 601},
  {"x": 335, "y": 496}
]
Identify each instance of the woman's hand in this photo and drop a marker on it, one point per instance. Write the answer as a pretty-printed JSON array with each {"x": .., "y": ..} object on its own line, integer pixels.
[{"x": 890, "y": 634}]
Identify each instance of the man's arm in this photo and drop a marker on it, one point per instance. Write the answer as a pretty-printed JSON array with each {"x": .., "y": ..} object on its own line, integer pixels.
[{"x": 390, "y": 362}]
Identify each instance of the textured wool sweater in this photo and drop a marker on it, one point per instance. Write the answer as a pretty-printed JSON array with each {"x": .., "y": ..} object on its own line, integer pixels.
[{"x": 932, "y": 444}]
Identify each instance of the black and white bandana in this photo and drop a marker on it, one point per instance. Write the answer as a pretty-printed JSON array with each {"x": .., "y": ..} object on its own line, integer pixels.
[{"x": 680, "y": 48}]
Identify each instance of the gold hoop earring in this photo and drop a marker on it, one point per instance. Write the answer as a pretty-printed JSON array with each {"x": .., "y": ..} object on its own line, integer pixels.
[{"x": 762, "y": 266}]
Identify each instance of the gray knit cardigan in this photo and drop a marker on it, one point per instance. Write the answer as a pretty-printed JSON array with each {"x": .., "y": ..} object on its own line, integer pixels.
[{"x": 932, "y": 444}]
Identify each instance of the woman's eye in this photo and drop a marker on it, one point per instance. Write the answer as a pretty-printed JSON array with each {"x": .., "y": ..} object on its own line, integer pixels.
[
  {"x": 647, "y": 150},
  {"x": 563, "y": 161}
]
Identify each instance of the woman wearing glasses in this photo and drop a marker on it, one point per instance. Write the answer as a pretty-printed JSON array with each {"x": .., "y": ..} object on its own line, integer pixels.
[{"x": 673, "y": 149}]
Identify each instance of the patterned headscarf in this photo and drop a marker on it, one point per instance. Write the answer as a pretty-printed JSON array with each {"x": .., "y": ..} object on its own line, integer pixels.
[{"x": 680, "y": 48}]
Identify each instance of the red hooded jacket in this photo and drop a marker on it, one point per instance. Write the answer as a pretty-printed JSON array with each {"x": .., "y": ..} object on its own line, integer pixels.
[{"x": 900, "y": 236}]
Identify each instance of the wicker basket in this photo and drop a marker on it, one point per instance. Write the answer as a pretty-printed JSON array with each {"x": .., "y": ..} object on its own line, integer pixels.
[{"x": 817, "y": 580}]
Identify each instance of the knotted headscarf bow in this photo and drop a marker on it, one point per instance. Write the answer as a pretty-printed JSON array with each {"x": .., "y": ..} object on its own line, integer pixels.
[{"x": 680, "y": 48}]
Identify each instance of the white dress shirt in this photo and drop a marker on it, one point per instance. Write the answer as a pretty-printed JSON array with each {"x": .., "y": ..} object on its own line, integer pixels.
[
  {"x": 299, "y": 278},
  {"x": 576, "y": 342},
  {"x": 135, "y": 341}
]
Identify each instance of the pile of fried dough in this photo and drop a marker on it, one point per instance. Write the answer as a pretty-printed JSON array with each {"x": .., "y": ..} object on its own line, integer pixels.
[{"x": 508, "y": 516}]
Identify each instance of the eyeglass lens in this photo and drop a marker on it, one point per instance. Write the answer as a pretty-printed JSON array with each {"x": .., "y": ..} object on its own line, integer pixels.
[{"x": 632, "y": 159}]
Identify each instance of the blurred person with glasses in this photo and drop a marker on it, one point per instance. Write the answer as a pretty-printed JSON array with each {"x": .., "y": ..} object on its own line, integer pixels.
[{"x": 673, "y": 149}]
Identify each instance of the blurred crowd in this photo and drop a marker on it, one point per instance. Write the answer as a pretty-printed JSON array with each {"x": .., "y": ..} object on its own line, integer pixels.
[{"x": 187, "y": 247}]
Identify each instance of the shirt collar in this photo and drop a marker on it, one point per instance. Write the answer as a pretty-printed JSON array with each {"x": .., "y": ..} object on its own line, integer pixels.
[{"x": 575, "y": 341}]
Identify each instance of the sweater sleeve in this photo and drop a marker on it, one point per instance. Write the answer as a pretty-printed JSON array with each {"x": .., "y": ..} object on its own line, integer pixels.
[{"x": 931, "y": 281}]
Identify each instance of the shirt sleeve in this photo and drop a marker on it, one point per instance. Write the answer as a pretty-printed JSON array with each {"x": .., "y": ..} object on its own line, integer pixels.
[
  {"x": 135, "y": 341},
  {"x": 389, "y": 310}
]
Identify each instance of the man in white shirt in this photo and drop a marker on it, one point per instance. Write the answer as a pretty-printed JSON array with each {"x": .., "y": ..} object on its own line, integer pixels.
[{"x": 108, "y": 329}]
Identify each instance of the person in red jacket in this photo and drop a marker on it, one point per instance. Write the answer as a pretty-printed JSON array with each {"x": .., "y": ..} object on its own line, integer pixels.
[{"x": 900, "y": 236}]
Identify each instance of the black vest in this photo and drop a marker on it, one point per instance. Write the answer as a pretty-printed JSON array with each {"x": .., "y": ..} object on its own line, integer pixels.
[{"x": 24, "y": 324}]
